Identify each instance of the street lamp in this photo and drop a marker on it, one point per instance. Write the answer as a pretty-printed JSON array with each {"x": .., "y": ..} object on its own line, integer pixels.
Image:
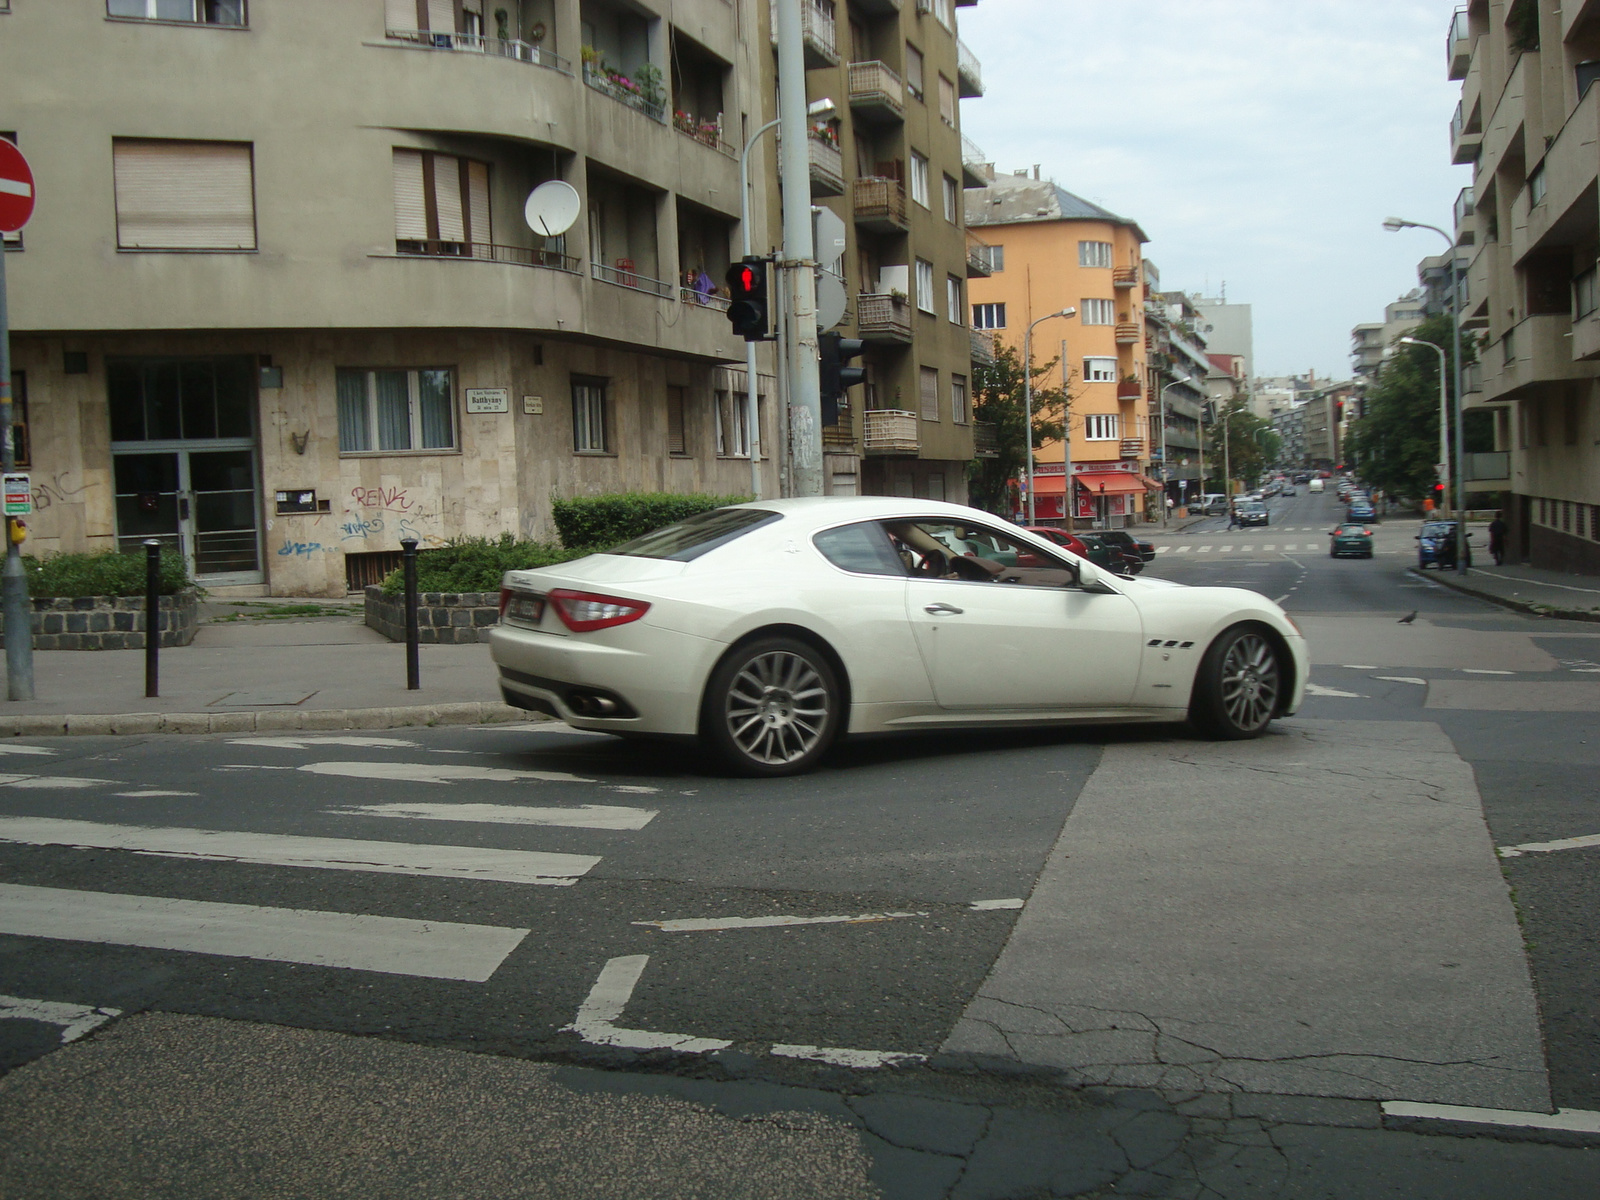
[
  {"x": 1394, "y": 225},
  {"x": 1027, "y": 392},
  {"x": 1444, "y": 405},
  {"x": 1166, "y": 467}
]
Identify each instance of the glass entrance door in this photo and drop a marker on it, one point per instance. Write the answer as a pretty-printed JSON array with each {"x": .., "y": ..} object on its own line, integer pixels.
[{"x": 200, "y": 503}]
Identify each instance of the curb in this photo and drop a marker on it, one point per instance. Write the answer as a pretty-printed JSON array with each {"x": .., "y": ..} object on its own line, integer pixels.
[
  {"x": 260, "y": 720},
  {"x": 1538, "y": 610}
]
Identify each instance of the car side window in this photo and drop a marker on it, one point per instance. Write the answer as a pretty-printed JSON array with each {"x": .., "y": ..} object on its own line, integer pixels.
[
  {"x": 962, "y": 551},
  {"x": 864, "y": 549}
]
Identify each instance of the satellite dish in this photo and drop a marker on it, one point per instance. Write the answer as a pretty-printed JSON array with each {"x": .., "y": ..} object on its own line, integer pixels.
[{"x": 552, "y": 208}]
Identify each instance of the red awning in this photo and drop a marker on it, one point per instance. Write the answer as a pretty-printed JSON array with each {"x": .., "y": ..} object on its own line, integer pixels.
[{"x": 1117, "y": 483}]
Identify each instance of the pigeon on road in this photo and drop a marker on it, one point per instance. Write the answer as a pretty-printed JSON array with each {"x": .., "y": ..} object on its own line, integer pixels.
[{"x": 1409, "y": 617}]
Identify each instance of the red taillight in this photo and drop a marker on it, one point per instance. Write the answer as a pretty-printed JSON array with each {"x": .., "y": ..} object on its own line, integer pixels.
[
  {"x": 582, "y": 612},
  {"x": 1366, "y": 533},
  {"x": 505, "y": 598}
]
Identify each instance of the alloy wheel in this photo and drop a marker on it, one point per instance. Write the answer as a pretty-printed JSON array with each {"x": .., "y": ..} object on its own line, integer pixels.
[
  {"x": 777, "y": 707},
  {"x": 1251, "y": 682}
]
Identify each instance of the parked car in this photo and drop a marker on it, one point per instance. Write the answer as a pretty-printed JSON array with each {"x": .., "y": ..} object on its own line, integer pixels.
[
  {"x": 1436, "y": 545},
  {"x": 1123, "y": 562},
  {"x": 1214, "y": 503},
  {"x": 1288, "y": 490},
  {"x": 1251, "y": 512},
  {"x": 1360, "y": 509},
  {"x": 769, "y": 630},
  {"x": 1350, "y": 538},
  {"x": 1128, "y": 544},
  {"x": 1087, "y": 545}
]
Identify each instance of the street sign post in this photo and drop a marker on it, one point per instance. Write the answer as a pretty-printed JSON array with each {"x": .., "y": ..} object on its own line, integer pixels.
[{"x": 16, "y": 206}]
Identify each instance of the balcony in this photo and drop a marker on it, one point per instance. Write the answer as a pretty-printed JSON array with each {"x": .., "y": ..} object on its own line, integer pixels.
[
  {"x": 1132, "y": 447},
  {"x": 1125, "y": 277},
  {"x": 1490, "y": 470},
  {"x": 699, "y": 299},
  {"x": 1565, "y": 215},
  {"x": 624, "y": 275},
  {"x": 880, "y": 204},
  {"x": 1130, "y": 389},
  {"x": 883, "y": 318},
  {"x": 817, "y": 32},
  {"x": 985, "y": 440},
  {"x": 1458, "y": 45},
  {"x": 890, "y": 431},
  {"x": 969, "y": 72},
  {"x": 1536, "y": 351},
  {"x": 879, "y": 8},
  {"x": 876, "y": 93},
  {"x": 827, "y": 167},
  {"x": 522, "y": 256},
  {"x": 624, "y": 91},
  {"x": 982, "y": 347},
  {"x": 707, "y": 133},
  {"x": 1127, "y": 333},
  {"x": 1463, "y": 210},
  {"x": 470, "y": 43},
  {"x": 1465, "y": 146},
  {"x": 979, "y": 265},
  {"x": 972, "y": 164}
]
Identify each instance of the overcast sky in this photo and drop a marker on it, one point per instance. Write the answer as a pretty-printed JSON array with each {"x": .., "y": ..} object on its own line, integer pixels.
[{"x": 1257, "y": 142}]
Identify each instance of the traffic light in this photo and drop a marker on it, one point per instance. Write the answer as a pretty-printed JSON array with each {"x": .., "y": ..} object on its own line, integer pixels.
[
  {"x": 747, "y": 305},
  {"x": 1438, "y": 496},
  {"x": 834, "y": 351}
]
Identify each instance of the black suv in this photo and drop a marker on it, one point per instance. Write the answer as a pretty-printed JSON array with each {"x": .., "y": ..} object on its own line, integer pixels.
[
  {"x": 1128, "y": 544},
  {"x": 1250, "y": 512}
]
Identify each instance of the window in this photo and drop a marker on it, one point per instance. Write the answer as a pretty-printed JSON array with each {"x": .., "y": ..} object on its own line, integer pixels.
[
  {"x": 1100, "y": 427},
  {"x": 925, "y": 285},
  {"x": 590, "y": 429},
  {"x": 167, "y": 399},
  {"x": 687, "y": 540},
  {"x": 863, "y": 549},
  {"x": 988, "y": 316},
  {"x": 1098, "y": 312},
  {"x": 947, "y": 101},
  {"x": 733, "y": 425},
  {"x": 193, "y": 12},
  {"x": 914, "y": 70},
  {"x": 930, "y": 393},
  {"x": 952, "y": 201},
  {"x": 953, "y": 306},
  {"x": 19, "y": 418},
  {"x": 1094, "y": 254},
  {"x": 184, "y": 195},
  {"x": 677, "y": 441},
  {"x": 441, "y": 203},
  {"x": 391, "y": 410},
  {"x": 919, "y": 178},
  {"x": 1584, "y": 298},
  {"x": 1536, "y": 186},
  {"x": 959, "y": 413},
  {"x": 997, "y": 258},
  {"x": 1100, "y": 370}
]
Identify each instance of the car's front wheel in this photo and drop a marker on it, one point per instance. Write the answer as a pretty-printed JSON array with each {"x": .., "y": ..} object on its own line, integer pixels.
[
  {"x": 772, "y": 707},
  {"x": 1239, "y": 685}
]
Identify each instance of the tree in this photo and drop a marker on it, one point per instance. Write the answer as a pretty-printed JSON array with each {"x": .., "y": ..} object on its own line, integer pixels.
[
  {"x": 998, "y": 399},
  {"x": 1251, "y": 443}
]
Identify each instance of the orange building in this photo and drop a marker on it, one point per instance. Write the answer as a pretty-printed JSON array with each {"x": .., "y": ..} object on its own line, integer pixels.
[{"x": 1049, "y": 250}]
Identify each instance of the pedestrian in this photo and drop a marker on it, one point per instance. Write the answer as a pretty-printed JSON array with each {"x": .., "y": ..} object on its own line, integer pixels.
[
  {"x": 1497, "y": 538},
  {"x": 1169, "y": 505},
  {"x": 1233, "y": 515},
  {"x": 704, "y": 286}
]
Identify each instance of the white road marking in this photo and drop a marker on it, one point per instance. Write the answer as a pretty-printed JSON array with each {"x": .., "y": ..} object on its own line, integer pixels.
[
  {"x": 293, "y": 850},
  {"x": 392, "y": 945},
  {"x": 51, "y": 781},
  {"x": 1314, "y": 689},
  {"x": 11, "y": 748},
  {"x": 1575, "y": 1119},
  {"x": 1204, "y": 549},
  {"x": 1484, "y": 671},
  {"x": 711, "y": 924},
  {"x": 1358, "y": 667},
  {"x": 1268, "y": 546},
  {"x": 1403, "y": 679},
  {"x": 75, "y": 1019},
  {"x": 436, "y": 773},
  {"x": 300, "y": 743},
  {"x": 860, "y": 1059},
  {"x": 1577, "y": 843},
  {"x": 1281, "y": 598},
  {"x": 1184, "y": 549},
  {"x": 990, "y": 905},
  {"x": 586, "y": 816},
  {"x": 152, "y": 792},
  {"x": 1226, "y": 550},
  {"x": 602, "y": 1008}
]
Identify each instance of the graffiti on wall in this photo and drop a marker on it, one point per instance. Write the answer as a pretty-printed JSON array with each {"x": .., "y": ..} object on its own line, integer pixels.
[
  {"x": 388, "y": 513},
  {"x": 56, "y": 491}
]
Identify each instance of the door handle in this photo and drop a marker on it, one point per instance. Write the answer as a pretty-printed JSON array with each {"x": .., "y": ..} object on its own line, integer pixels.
[{"x": 942, "y": 609}]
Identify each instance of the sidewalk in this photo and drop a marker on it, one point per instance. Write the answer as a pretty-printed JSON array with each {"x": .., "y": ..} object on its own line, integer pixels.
[
  {"x": 248, "y": 671},
  {"x": 1526, "y": 589}
]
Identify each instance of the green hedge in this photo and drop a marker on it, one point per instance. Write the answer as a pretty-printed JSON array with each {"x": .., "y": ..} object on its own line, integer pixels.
[
  {"x": 595, "y": 522},
  {"x": 109, "y": 573},
  {"x": 477, "y": 564}
]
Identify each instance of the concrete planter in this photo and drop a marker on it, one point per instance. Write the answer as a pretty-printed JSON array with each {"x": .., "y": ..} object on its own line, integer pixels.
[
  {"x": 443, "y": 618},
  {"x": 111, "y": 622}
]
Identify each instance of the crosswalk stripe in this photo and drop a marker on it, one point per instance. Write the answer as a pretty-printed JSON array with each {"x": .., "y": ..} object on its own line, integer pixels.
[
  {"x": 1204, "y": 549},
  {"x": 1184, "y": 549},
  {"x": 587, "y": 816},
  {"x": 358, "y": 941},
  {"x": 291, "y": 850}
]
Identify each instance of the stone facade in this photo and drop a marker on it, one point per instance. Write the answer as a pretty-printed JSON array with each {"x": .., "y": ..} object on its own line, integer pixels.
[
  {"x": 111, "y": 622},
  {"x": 443, "y": 618}
]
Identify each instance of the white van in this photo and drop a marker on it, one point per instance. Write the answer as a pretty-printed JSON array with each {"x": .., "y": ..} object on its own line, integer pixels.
[
  {"x": 1213, "y": 502},
  {"x": 1315, "y": 486}
]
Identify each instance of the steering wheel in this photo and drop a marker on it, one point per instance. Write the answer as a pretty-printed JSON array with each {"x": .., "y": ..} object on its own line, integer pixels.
[{"x": 932, "y": 563}]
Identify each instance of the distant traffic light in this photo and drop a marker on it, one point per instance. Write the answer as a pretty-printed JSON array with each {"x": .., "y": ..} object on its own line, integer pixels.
[
  {"x": 834, "y": 352},
  {"x": 747, "y": 305},
  {"x": 1438, "y": 496}
]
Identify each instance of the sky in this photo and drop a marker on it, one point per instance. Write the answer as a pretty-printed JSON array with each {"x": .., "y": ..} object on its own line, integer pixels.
[{"x": 1259, "y": 143}]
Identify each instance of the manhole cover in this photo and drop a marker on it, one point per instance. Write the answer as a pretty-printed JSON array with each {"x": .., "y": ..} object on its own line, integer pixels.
[{"x": 276, "y": 699}]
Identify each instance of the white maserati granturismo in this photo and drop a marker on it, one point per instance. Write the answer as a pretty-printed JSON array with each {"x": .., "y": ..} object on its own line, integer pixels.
[{"x": 769, "y": 630}]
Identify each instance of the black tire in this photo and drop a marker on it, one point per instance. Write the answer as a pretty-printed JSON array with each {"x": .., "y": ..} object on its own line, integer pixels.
[
  {"x": 772, "y": 707},
  {"x": 1238, "y": 686}
]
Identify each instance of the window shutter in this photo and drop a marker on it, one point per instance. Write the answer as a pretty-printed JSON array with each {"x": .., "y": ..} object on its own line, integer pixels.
[
  {"x": 676, "y": 441},
  {"x": 400, "y": 15},
  {"x": 184, "y": 195},
  {"x": 410, "y": 207},
  {"x": 478, "y": 203},
  {"x": 447, "y": 197},
  {"x": 930, "y": 393},
  {"x": 442, "y": 16}
]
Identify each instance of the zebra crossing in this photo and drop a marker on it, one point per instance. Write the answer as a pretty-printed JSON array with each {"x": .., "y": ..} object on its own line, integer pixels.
[{"x": 1254, "y": 548}]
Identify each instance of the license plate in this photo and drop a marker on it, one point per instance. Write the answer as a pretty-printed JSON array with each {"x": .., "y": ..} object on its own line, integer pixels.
[{"x": 525, "y": 608}]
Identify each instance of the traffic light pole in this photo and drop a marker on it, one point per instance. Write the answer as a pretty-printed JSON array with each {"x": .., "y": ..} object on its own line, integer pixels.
[
  {"x": 799, "y": 279},
  {"x": 753, "y": 410}
]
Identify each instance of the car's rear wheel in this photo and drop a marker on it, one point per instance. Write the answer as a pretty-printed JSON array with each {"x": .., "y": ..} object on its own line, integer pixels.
[
  {"x": 772, "y": 707},
  {"x": 1239, "y": 685}
]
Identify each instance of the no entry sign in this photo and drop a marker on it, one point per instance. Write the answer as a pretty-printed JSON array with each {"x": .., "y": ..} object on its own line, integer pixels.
[{"x": 16, "y": 188}]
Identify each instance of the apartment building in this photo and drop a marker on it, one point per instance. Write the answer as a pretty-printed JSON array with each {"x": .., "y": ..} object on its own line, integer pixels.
[
  {"x": 1176, "y": 348},
  {"x": 286, "y": 311},
  {"x": 1529, "y": 123},
  {"x": 1230, "y": 330},
  {"x": 1371, "y": 341},
  {"x": 889, "y": 163},
  {"x": 1053, "y": 250}
]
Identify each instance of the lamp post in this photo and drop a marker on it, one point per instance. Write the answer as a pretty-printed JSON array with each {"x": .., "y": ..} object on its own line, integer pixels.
[
  {"x": 1444, "y": 404},
  {"x": 1027, "y": 403},
  {"x": 1394, "y": 225}
]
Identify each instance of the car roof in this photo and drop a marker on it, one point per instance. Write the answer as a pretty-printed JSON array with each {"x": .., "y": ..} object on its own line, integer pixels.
[{"x": 821, "y": 512}]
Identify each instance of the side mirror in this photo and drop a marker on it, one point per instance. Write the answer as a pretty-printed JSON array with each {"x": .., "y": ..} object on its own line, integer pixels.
[{"x": 1091, "y": 578}]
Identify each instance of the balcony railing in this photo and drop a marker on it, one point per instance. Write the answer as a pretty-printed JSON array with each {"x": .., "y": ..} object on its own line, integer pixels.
[
  {"x": 1125, "y": 277},
  {"x": 1129, "y": 389},
  {"x": 979, "y": 264},
  {"x": 1127, "y": 333},
  {"x": 1132, "y": 447},
  {"x": 1487, "y": 464},
  {"x": 985, "y": 440},
  {"x": 624, "y": 91},
  {"x": 699, "y": 299},
  {"x": 827, "y": 167},
  {"x": 1463, "y": 208},
  {"x": 969, "y": 72},
  {"x": 707, "y": 133},
  {"x": 1458, "y": 45},
  {"x": 523, "y": 256},
  {"x": 818, "y": 31},
  {"x": 883, "y": 318},
  {"x": 890, "y": 431},
  {"x": 473, "y": 43},
  {"x": 880, "y": 203},
  {"x": 982, "y": 347},
  {"x": 624, "y": 275},
  {"x": 876, "y": 91}
]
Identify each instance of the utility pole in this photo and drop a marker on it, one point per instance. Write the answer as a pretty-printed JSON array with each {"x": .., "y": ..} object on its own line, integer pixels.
[{"x": 799, "y": 266}]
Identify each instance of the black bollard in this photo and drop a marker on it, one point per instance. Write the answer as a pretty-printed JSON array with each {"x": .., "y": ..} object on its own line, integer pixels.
[
  {"x": 152, "y": 617},
  {"x": 413, "y": 668}
]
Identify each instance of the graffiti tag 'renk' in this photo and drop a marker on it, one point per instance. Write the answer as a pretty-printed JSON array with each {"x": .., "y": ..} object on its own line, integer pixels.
[
  {"x": 362, "y": 527},
  {"x": 302, "y": 549},
  {"x": 378, "y": 497}
]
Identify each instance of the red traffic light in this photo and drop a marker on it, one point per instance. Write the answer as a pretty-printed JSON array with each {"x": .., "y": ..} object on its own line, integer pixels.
[{"x": 747, "y": 298}]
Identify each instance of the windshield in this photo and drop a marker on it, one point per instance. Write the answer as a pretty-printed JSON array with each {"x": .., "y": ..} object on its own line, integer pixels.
[
  {"x": 1352, "y": 529},
  {"x": 1439, "y": 529},
  {"x": 687, "y": 540}
]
